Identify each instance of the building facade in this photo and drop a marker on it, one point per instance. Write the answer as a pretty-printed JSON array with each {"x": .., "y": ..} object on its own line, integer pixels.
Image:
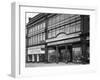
[{"x": 54, "y": 38}]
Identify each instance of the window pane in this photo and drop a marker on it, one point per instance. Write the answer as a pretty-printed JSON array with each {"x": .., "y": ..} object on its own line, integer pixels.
[
  {"x": 78, "y": 26},
  {"x": 57, "y": 31},
  {"x": 43, "y": 25},
  {"x": 43, "y": 36},
  {"x": 49, "y": 34},
  {"x": 33, "y": 41},
  {"x": 77, "y": 53},
  {"x": 53, "y": 33},
  {"x": 67, "y": 29}
]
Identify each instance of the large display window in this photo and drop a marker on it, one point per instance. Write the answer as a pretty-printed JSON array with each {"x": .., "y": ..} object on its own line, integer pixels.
[{"x": 77, "y": 54}]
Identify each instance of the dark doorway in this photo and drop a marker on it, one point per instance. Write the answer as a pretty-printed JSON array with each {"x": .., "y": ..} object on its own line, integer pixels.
[
  {"x": 61, "y": 53},
  {"x": 70, "y": 53}
]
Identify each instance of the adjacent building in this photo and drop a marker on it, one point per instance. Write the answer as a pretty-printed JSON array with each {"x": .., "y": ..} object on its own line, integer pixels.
[{"x": 54, "y": 38}]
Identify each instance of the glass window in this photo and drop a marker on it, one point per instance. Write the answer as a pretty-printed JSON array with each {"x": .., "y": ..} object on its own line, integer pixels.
[
  {"x": 33, "y": 31},
  {"x": 43, "y": 36},
  {"x": 62, "y": 29},
  {"x": 38, "y": 27},
  {"x": 29, "y": 57},
  {"x": 29, "y": 32},
  {"x": 78, "y": 26},
  {"x": 29, "y": 41},
  {"x": 49, "y": 21},
  {"x": 57, "y": 31},
  {"x": 49, "y": 34},
  {"x": 43, "y": 25},
  {"x": 37, "y": 38},
  {"x": 77, "y": 53},
  {"x": 67, "y": 29},
  {"x": 71, "y": 29},
  {"x": 53, "y": 33},
  {"x": 33, "y": 40}
]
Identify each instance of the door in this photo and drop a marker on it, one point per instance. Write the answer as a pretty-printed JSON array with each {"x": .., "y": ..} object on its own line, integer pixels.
[{"x": 61, "y": 53}]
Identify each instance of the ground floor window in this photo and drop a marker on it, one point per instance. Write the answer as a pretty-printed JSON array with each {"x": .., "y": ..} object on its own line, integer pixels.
[
  {"x": 51, "y": 54},
  {"x": 77, "y": 54},
  {"x": 29, "y": 58},
  {"x": 35, "y": 58},
  {"x": 66, "y": 53}
]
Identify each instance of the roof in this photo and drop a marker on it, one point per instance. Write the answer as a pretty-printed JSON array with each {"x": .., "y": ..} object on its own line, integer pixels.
[{"x": 37, "y": 17}]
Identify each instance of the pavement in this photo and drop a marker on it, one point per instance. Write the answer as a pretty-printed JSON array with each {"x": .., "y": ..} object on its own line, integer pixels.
[{"x": 48, "y": 64}]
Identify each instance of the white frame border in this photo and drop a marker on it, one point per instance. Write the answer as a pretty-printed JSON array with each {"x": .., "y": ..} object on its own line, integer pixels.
[{"x": 18, "y": 66}]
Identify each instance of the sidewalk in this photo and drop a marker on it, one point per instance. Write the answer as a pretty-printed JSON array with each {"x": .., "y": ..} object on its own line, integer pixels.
[{"x": 48, "y": 64}]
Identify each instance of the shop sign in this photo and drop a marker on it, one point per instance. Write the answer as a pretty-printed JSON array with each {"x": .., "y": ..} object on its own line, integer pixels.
[
  {"x": 36, "y": 50},
  {"x": 64, "y": 41},
  {"x": 63, "y": 36}
]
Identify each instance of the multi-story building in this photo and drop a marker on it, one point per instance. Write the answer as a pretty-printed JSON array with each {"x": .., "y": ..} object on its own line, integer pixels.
[{"x": 57, "y": 38}]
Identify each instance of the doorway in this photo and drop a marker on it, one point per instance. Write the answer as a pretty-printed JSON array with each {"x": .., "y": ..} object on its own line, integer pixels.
[
  {"x": 65, "y": 53},
  {"x": 61, "y": 53}
]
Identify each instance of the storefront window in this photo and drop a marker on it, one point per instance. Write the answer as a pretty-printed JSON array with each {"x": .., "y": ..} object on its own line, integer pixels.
[
  {"x": 33, "y": 59},
  {"x": 51, "y": 55},
  {"x": 77, "y": 54},
  {"x": 29, "y": 58}
]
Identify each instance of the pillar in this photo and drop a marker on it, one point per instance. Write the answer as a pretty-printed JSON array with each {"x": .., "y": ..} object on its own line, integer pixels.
[
  {"x": 57, "y": 54},
  {"x": 46, "y": 53},
  {"x": 85, "y": 31}
]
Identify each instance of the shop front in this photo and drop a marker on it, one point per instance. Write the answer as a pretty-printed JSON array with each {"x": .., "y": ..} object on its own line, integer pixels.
[
  {"x": 65, "y": 51},
  {"x": 36, "y": 54}
]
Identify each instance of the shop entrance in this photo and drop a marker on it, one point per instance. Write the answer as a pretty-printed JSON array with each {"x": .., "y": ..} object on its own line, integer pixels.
[
  {"x": 61, "y": 53},
  {"x": 65, "y": 53}
]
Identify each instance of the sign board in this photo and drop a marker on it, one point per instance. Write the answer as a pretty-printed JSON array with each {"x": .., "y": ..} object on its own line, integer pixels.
[
  {"x": 64, "y": 36},
  {"x": 36, "y": 50},
  {"x": 64, "y": 41}
]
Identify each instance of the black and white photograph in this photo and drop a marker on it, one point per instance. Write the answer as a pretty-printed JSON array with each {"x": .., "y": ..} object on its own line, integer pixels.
[{"x": 54, "y": 39}]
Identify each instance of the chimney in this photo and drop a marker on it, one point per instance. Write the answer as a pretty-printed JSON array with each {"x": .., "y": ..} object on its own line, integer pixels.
[{"x": 30, "y": 18}]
